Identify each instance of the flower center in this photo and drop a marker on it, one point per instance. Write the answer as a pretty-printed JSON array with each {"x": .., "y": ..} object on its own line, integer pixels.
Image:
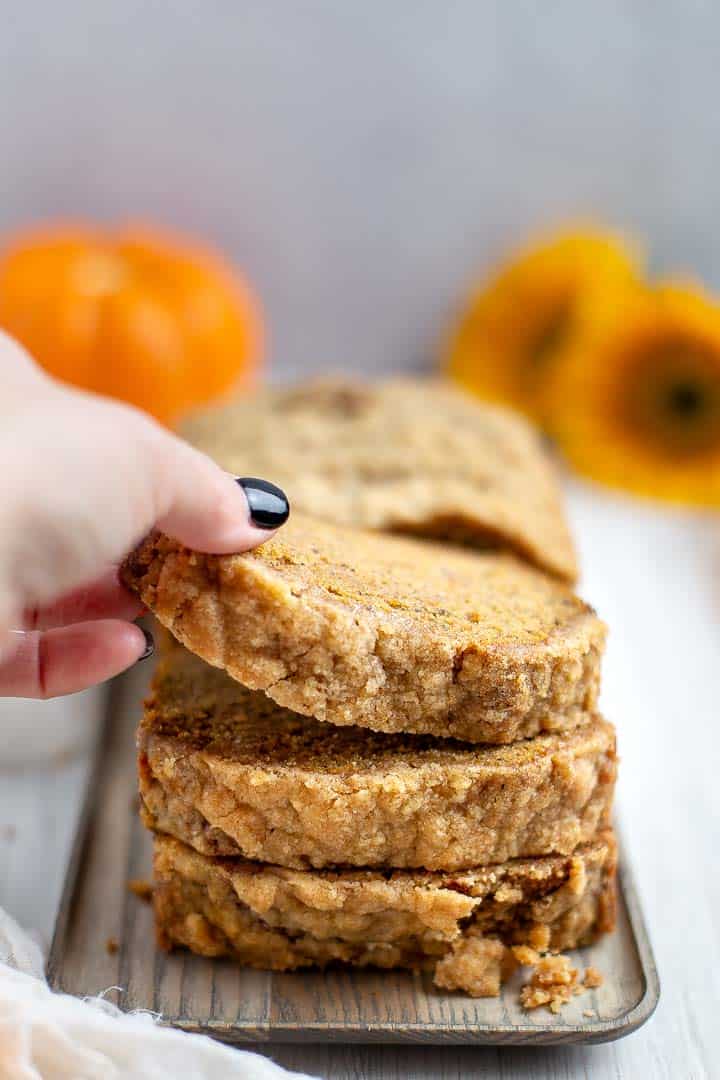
[
  {"x": 674, "y": 398},
  {"x": 686, "y": 400}
]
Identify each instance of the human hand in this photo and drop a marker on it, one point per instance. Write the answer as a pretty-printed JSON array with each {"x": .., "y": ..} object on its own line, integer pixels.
[{"x": 83, "y": 479}]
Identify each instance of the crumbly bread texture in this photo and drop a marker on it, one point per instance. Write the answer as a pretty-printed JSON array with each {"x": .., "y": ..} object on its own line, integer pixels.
[
  {"x": 229, "y": 772},
  {"x": 406, "y": 455},
  {"x": 462, "y": 927},
  {"x": 553, "y": 981},
  {"x": 393, "y": 634}
]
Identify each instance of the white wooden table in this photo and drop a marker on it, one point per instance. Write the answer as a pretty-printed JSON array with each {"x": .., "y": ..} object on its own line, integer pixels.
[{"x": 655, "y": 577}]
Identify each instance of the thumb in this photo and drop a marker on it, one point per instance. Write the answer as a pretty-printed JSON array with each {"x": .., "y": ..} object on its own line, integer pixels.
[
  {"x": 209, "y": 510},
  {"x": 86, "y": 478}
]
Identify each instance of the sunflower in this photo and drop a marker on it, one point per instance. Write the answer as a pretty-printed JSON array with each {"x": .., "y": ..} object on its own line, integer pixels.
[
  {"x": 516, "y": 323},
  {"x": 636, "y": 402}
]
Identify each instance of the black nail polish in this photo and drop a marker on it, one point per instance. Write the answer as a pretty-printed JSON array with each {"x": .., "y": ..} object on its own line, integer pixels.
[
  {"x": 149, "y": 645},
  {"x": 269, "y": 506}
]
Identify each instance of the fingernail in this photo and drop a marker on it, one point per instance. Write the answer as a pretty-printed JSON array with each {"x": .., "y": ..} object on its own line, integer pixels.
[
  {"x": 269, "y": 506},
  {"x": 149, "y": 645}
]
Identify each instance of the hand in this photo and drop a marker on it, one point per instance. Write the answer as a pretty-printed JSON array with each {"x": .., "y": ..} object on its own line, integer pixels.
[{"x": 83, "y": 480}]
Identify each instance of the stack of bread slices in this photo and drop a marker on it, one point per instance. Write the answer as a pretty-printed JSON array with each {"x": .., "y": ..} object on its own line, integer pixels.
[{"x": 375, "y": 748}]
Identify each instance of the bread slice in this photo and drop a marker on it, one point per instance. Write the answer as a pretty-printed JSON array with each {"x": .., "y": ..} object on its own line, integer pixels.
[
  {"x": 393, "y": 634},
  {"x": 406, "y": 455},
  {"x": 230, "y": 773},
  {"x": 458, "y": 926}
]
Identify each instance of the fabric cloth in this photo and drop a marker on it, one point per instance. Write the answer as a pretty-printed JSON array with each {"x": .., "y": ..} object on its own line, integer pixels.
[{"x": 47, "y": 1036}]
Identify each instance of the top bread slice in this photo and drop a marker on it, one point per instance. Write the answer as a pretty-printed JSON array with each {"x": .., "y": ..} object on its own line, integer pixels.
[
  {"x": 407, "y": 455},
  {"x": 389, "y": 633}
]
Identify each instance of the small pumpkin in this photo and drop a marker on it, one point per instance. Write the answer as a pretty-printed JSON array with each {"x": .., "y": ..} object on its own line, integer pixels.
[{"x": 132, "y": 313}]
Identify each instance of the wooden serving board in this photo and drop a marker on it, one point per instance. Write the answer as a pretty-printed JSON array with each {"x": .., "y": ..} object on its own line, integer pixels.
[{"x": 98, "y": 911}]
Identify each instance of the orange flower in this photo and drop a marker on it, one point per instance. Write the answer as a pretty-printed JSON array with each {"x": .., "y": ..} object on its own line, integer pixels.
[
  {"x": 135, "y": 314},
  {"x": 636, "y": 402},
  {"x": 516, "y": 323}
]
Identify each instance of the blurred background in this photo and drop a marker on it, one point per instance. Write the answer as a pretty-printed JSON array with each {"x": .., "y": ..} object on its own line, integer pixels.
[{"x": 363, "y": 162}]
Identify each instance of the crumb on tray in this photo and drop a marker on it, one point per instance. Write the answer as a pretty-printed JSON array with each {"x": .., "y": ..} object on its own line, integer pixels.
[
  {"x": 553, "y": 981},
  {"x": 593, "y": 978},
  {"x": 141, "y": 888}
]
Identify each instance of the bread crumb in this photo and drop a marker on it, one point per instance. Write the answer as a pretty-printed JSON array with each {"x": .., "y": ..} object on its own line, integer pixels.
[
  {"x": 112, "y": 945},
  {"x": 593, "y": 978},
  {"x": 554, "y": 981},
  {"x": 526, "y": 956},
  {"x": 141, "y": 888}
]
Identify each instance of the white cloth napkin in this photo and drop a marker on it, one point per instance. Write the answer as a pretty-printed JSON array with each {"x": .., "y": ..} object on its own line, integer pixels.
[{"x": 47, "y": 1036}]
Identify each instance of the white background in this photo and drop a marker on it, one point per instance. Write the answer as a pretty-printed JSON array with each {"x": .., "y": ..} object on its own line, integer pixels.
[{"x": 364, "y": 159}]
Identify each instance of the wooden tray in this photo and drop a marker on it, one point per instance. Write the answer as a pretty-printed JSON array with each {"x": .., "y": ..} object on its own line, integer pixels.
[{"x": 240, "y": 1005}]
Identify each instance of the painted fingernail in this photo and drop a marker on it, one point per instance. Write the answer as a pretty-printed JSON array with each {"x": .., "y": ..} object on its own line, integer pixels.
[
  {"x": 149, "y": 645},
  {"x": 269, "y": 506}
]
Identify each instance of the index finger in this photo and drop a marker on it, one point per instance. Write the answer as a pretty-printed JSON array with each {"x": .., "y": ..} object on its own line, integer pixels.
[{"x": 105, "y": 598}]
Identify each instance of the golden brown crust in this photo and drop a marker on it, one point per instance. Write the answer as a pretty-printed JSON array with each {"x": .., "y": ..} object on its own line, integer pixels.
[
  {"x": 230, "y": 773},
  {"x": 385, "y": 632},
  {"x": 281, "y": 919},
  {"x": 408, "y": 455}
]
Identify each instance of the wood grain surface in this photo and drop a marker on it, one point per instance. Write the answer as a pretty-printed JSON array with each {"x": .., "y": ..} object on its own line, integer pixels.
[{"x": 340, "y": 1005}]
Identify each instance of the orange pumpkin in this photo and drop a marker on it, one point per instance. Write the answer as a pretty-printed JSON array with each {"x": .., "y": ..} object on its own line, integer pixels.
[{"x": 133, "y": 313}]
